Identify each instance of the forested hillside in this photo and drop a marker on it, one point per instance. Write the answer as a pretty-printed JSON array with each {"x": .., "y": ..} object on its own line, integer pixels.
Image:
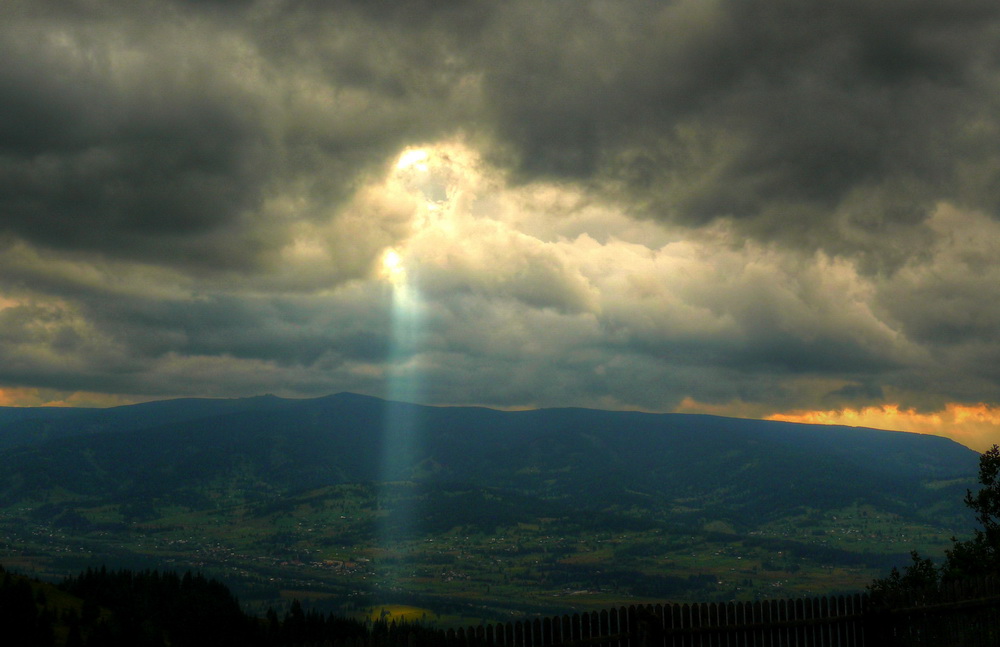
[
  {"x": 745, "y": 470},
  {"x": 469, "y": 513}
]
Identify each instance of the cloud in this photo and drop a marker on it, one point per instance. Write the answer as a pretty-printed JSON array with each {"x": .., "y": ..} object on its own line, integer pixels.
[
  {"x": 187, "y": 140},
  {"x": 31, "y": 397},
  {"x": 976, "y": 426},
  {"x": 787, "y": 118},
  {"x": 605, "y": 316},
  {"x": 760, "y": 206},
  {"x": 183, "y": 137},
  {"x": 121, "y": 139}
]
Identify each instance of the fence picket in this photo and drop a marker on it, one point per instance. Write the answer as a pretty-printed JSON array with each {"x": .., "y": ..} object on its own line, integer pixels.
[
  {"x": 732, "y": 637},
  {"x": 842, "y": 626},
  {"x": 672, "y": 616},
  {"x": 713, "y": 621},
  {"x": 772, "y": 618},
  {"x": 784, "y": 633}
]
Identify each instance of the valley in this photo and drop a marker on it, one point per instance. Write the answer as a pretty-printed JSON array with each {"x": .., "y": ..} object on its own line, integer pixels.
[
  {"x": 260, "y": 502},
  {"x": 320, "y": 548}
]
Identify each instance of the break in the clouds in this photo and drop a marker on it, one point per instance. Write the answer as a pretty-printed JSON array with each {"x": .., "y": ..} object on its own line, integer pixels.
[{"x": 763, "y": 208}]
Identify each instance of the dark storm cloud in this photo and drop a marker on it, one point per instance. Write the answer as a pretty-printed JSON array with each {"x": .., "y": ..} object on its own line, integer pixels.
[
  {"x": 283, "y": 330},
  {"x": 159, "y": 132},
  {"x": 787, "y": 115},
  {"x": 785, "y": 203},
  {"x": 831, "y": 125},
  {"x": 132, "y": 158}
]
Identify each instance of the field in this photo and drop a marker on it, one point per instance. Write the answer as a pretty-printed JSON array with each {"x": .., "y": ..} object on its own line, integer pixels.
[{"x": 392, "y": 552}]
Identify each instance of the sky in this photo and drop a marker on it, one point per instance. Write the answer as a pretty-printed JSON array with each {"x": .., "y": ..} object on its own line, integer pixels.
[{"x": 777, "y": 209}]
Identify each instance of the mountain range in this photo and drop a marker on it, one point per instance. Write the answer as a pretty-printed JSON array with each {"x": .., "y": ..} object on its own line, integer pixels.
[
  {"x": 81, "y": 477},
  {"x": 589, "y": 458}
]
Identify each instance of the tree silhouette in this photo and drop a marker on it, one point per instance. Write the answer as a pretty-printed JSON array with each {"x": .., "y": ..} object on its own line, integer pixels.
[
  {"x": 970, "y": 558},
  {"x": 981, "y": 554}
]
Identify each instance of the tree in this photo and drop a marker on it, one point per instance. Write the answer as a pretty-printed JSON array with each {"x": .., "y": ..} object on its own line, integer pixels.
[
  {"x": 971, "y": 558},
  {"x": 986, "y": 503},
  {"x": 918, "y": 579},
  {"x": 981, "y": 554}
]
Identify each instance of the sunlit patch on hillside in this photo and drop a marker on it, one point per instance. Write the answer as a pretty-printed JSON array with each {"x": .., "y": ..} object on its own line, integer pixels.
[{"x": 976, "y": 426}]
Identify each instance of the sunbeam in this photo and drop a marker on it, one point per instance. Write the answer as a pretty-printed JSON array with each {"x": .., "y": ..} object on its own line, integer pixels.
[{"x": 401, "y": 434}]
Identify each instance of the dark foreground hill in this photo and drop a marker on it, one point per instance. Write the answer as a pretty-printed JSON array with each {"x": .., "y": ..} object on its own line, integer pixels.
[
  {"x": 337, "y": 475},
  {"x": 122, "y": 608}
]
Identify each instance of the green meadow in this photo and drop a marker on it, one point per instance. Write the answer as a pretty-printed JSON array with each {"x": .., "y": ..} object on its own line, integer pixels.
[{"x": 337, "y": 549}]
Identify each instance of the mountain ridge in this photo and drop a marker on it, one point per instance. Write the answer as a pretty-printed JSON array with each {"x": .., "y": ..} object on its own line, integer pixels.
[
  {"x": 13, "y": 415},
  {"x": 550, "y": 452},
  {"x": 386, "y": 492}
]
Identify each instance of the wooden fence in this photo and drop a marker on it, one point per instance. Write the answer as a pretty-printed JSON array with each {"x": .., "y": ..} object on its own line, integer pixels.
[
  {"x": 812, "y": 622},
  {"x": 960, "y": 615}
]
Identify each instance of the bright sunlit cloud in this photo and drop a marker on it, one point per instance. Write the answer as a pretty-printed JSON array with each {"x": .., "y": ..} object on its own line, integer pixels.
[
  {"x": 392, "y": 267},
  {"x": 412, "y": 158},
  {"x": 551, "y": 289}
]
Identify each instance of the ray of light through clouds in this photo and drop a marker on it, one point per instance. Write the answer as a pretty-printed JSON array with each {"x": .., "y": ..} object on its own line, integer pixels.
[
  {"x": 777, "y": 209},
  {"x": 401, "y": 434}
]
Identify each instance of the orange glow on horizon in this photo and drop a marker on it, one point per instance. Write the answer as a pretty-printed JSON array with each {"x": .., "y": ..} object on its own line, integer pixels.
[
  {"x": 976, "y": 426},
  {"x": 33, "y": 397}
]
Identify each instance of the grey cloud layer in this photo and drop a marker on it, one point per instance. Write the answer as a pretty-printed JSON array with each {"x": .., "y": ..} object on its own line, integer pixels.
[
  {"x": 829, "y": 124},
  {"x": 766, "y": 200},
  {"x": 832, "y": 123},
  {"x": 167, "y": 135}
]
